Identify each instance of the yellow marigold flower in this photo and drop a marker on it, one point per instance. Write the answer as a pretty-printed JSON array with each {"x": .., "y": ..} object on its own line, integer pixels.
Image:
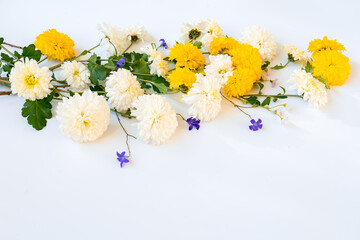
[
  {"x": 246, "y": 56},
  {"x": 187, "y": 55},
  {"x": 222, "y": 45},
  {"x": 241, "y": 82},
  {"x": 55, "y": 45},
  {"x": 321, "y": 44},
  {"x": 182, "y": 76},
  {"x": 333, "y": 66}
]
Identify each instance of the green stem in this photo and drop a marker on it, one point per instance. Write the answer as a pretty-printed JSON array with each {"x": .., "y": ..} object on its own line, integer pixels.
[
  {"x": 8, "y": 51},
  {"x": 263, "y": 95},
  {"x": 132, "y": 42},
  {"x": 206, "y": 52},
  {"x": 42, "y": 60},
  {"x": 122, "y": 114},
  {"x": 181, "y": 116},
  {"x": 127, "y": 134},
  {"x": 236, "y": 105},
  {"x": 278, "y": 67}
]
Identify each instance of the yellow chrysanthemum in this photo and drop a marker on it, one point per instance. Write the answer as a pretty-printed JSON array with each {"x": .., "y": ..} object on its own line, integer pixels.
[
  {"x": 182, "y": 76},
  {"x": 321, "y": 44},
  {"x": 187, "y": 55},
  {"x": 333, "y": 66},
  {"x": 55, "y": 45},
  {"x": 222, "y": 45},
  {"x": 246, "y": 56},
  {"x": 241, "y": 82}
]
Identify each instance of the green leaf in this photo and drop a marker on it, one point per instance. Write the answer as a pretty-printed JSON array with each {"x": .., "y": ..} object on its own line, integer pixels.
[
  {"x": 159, "y": 84},
  {"x": 283, "y": 89},
  {"x": 253, "y": 100},
  {"x": 97, "y": 72},
  {"x": 197, "y": 44},
  {"x": 38, "y": 111},
  {"x": 266, "y": 101},
  {"x": 6, "y": 58},
  {"x": 309, "y": 68},
  {"x": 324, "y": 81},
  {"x": 1, "y": 40},
  {"x": 98, "y": 88},
  {"x": 7, "y": 68},
  {"x": 31, "y": 53},
  {"x": 141, "y": 67},
  {"x": 93, "y": 59},
  {"x": 265, "y": 65},
  {"x": 261, "y": 86},
  {"x": 277, "y": 67}
]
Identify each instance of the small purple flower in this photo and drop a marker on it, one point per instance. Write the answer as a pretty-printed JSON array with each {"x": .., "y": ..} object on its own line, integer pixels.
[
  {"x": 273, "y": 82},
  {"x": 163, "y": 43},
  {"x": 120, "y": 63},
  {"x": 256, "y": 125},
  {"x": 193, "y": 123},
  {"x": 122, "y": 158}
]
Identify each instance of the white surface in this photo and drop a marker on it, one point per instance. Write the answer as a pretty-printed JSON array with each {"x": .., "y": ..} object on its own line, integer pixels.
[{"x": 295, "y": 181}]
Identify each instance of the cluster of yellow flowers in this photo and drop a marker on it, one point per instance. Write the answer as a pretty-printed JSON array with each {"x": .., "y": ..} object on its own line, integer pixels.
[
  {"x": 328, "y": 61},
  {"x": 190, "y": 60}
]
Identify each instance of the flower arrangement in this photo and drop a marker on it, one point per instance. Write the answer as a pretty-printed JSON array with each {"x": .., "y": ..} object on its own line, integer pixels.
[{"x": 206, "y": 67}]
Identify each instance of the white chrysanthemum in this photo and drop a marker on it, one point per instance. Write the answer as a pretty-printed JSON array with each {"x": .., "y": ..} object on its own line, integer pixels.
[
  {"x": 193, "y": 30},
  {"x": 158, "y": 64},
  {"x": 157, "y": 119},
  {"x": 122, "y": 89},
  {"x": 115, "y": 38},
  {"x": 205, "y": 98},
  {"x": 83, "y": 118},
  {"x": 213, "y": 30},
  {"x": 30, "y": 81},
  {"x": 313, "y": 89},
  {"x": 261, "y": 39},
  {"x": 220, "y": 67},
  {"x": 297, "y": 54},
  {"x": 135, "y": 32},
  {"x": 76, "y": 74}
]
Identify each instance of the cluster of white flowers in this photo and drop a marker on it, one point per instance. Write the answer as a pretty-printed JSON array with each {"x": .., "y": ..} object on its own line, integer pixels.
[
  {"x": 117, "y": 40},
  {"x": 83, "y": 118},
  {"x": 122, "y": 89},
  {"x": 30, "y": 81},
  {"x": 313, "y": 89},
  {"x": 204, "y": 97},
  {"x": 158, "y": 64},
  {"x": 157, "y": 119},
  {"x": 76, "y": 74},
  {"x": 297, "y": 54},
  {"x": 261, "y": 39}
]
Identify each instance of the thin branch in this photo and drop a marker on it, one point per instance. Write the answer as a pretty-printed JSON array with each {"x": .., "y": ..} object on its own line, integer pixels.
[
  {"x": 3, "y": 93},
  {"x": 127, "y": 134},
  {"x": 11, "y": 45},
  {"x": 236, "y": 105}
]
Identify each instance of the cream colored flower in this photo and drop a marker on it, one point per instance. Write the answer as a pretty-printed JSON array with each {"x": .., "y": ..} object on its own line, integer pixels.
[
  {"x": 261, "y": 39},
  {"x": 157, "y": 119},
  {"x": 193, "y": 31},
  {"x": 122, "y": 89},
  {"x": 158, "y": 64},
  {"x": 213, "y": 31},
  {"x": 83, "y": 118},
  {"x": 76, "y": 74},
  {"x": 135, "y": 33},
  {"x": 204, "y": 97},
  {"x": 297, "y": 54},
  {"x": 115, "y": 38},
  {"x": 313, "y": 89},
  {"x": 30, "y": 81},
  {"x": 220, "y": 67}
]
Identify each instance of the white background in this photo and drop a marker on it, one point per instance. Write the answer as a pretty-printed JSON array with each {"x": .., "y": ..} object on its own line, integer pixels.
[{"x": 298, "y": 180}]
